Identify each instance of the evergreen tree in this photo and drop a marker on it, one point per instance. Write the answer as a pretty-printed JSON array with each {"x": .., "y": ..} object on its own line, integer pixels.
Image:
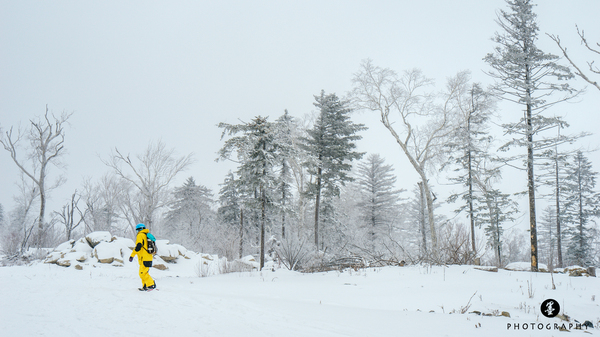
[
  {"x": 257, "y": 149},
  {"x": 232, "y": 198},
  {"x": 331, "y": 142},
  {"x": 581, "y": 207},
  {"x": 287, "y": 150},
  {"x": 378, "y": 197},
  {"x": 496, "y": 209},
  {"x": 547, "y": 236},
  {"x": 190, "y": 209},
  {"x": 1, "y": 216},
  {"x": 469, "y": 146},
  {"x": 523, "y": 73}
]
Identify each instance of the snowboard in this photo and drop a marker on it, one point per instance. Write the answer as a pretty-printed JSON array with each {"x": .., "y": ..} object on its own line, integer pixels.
[{"x": 147, "y": 289}]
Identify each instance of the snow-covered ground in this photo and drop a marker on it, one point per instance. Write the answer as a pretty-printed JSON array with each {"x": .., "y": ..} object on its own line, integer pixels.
[{"x": 103, "y": 300}]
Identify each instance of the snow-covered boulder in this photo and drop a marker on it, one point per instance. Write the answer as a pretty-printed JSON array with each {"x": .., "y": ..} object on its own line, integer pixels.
[
  {"x": 64, "y": 246},
  {"x": 63, "y": 262},
  {"x": 96, "y": 237},
  {"x": 166, "y": 251},
  {"x": 579, "y": 271},
  {"x": 107, "y": 252},
  {"x": 82, "y": 246},
  {"x": 524, "y": 266},
  {"x": 53, "y": 257},
  {"x": 247, "y": 263},
  {"x": 159, "y": 263}
]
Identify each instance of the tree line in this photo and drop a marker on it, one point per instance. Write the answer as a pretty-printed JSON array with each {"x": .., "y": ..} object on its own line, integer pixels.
[{"x": 303, "y": 195}]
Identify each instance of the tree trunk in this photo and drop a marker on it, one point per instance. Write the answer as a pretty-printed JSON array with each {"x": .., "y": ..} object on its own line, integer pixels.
[
  {"x": 241, "y": 232},
  {"x": 531, "y": 189},
  {"x": 470, "y": 183},
  {"x": 422, "y": 213},
  {"x": 317, "y": 205},
  {"x": 262, "y": 228},
  {"x": 558, "y": 231}
]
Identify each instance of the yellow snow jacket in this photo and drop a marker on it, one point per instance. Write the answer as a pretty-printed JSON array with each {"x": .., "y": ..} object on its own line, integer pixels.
[{"x": 141, "y": 246}]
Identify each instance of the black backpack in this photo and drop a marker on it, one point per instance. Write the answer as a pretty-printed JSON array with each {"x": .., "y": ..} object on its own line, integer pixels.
[{"x": 152, "y": 249}]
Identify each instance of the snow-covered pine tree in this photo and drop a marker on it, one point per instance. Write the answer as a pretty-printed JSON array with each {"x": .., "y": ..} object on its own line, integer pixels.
[
  {"x": 495, "y": 209},
  {"x": 378, "y": 195},
  {"x": 547, "y": 237},
  {"x": 581, "y": 207},
  {"x": 1, "y": 217},
  {"x": 331, "y": 143},
  {"x": 469, "y": 146},
  {"x": 527, "y": 76},
  {"x": 257, "y": 151},
  {"x": 189, "y": 212},
  {"x": 287, "y": 151},
  {"x": 232, "y": 199}
]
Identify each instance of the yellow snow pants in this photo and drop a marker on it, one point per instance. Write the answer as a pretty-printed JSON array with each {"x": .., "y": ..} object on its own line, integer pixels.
[{"x": 147, "y": 280}]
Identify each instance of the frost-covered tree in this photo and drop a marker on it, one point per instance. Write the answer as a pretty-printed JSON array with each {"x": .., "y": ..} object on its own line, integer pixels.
[
  {"x": 331, "y": 144},
  {"x": 104, "y": 203},
  {"x": 256, "y": 149},
  {"x": 419, "y": 119},
  {"x": 548, "y": 237},
  {"x": 288, "y": 150},
  {"x": 379, "y": 198},
  {"x": 46, "y": 138},
  {"x": 470, "y": 143},
  {"x": 190, "y": 212},
  {"x": 496, "y": 209},
  {"x": 70, "y": 216},
  {"x": 592, "y": 74},
  {"x": 232, "y": 198},
  {"x": 148, "y": 179},
  {"x": 1, "y": 216},
  {"x": 21, "y": 220},
  {"x": 528, "y": 77},
  {"x": 581, "y": 207}
]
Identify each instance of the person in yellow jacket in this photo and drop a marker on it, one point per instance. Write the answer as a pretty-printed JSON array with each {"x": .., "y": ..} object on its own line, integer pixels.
[{"x": 144, "y": 258}]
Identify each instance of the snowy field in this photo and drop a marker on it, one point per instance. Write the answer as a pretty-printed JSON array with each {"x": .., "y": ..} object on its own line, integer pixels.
[{"x": 103, "y": 300}]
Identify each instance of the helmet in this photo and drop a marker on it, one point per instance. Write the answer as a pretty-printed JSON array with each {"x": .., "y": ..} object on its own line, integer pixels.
[{"x": 140, "y": 226}]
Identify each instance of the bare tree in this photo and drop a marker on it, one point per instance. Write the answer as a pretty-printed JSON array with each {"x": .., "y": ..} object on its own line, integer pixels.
[
  {"x": 22, "y": 223},
  {"x": 67, "y": 215},
  {"x": 46, "y": 138},
  {"x": 150, "y": 177},
  {"x": 592, "y": 70},
  {"x": 419, "y": 125},
  {"x": 102, "y": 202}
]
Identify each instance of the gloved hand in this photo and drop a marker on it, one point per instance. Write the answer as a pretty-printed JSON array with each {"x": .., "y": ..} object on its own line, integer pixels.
[{"x": 131, "y": 259}]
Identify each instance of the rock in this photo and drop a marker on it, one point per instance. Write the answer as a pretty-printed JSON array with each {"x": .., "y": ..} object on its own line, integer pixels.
[
  {"x": 166, "y": 251},
  {"x": 107, "y": 252},
  {"x": 78, "y": 267},
  {"x": 53, "y": 257},
  {"x": 95, "y": 238},
  {"x": 591, "y": 271},
  {"x": 524, "y": 266},
  {"x": 64, "y": 262},
  {"x": 160, "y": 266},
  {"x": 490, "y": 269},
  {"x": 64, "y": 246},
  {"x": 82, "y": 245},
  {"x": 505, "y": 314},
  {"x": 576, "y": 271}
]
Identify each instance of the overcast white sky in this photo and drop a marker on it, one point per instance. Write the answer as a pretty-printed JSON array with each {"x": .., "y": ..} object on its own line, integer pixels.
[{"x": 137, "y": 71}]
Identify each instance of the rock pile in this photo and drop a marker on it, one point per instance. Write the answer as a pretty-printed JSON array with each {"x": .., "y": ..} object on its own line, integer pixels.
[{"x": 102, "y": 247}]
